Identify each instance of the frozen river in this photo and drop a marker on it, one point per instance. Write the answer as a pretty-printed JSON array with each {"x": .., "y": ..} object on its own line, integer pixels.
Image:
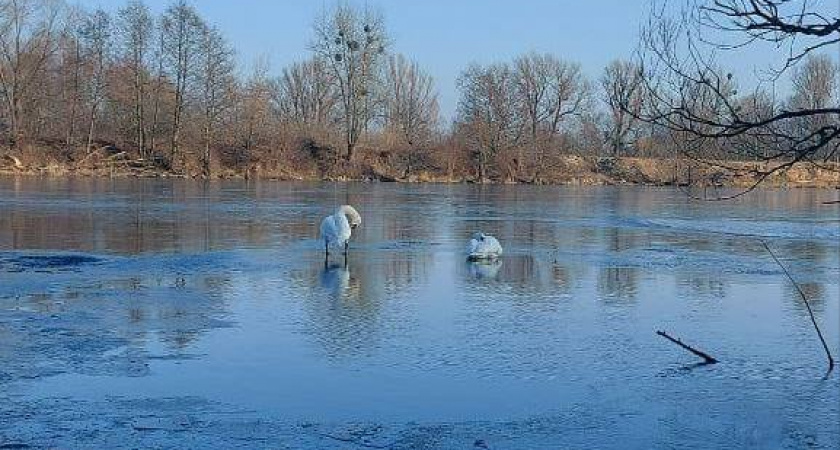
[{"x": 153, "y": 313}]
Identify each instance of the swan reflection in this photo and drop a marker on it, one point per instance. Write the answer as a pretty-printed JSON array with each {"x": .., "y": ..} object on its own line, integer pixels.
[
  {"x": 335, "y": 278},
  {"x": 484, "y": 270}
]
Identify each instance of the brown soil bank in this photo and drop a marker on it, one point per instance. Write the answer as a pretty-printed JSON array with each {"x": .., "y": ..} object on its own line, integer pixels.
[{"x": 574, "y": 170}]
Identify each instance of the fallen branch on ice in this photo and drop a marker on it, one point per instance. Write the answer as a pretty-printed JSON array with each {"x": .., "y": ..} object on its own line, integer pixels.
[{"x": 706, "y": 357}]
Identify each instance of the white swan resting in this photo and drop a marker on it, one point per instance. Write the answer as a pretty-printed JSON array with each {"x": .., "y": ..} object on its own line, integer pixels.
[
  {"x": 483, "y": 247},
  {"x": 337, "y": 228}
]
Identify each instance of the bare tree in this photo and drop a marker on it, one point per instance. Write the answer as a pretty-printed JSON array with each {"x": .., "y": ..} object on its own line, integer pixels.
[
  {"x": 488, "y": 113},
  {"x": 755, "y": 106},
  {"x": 217, "y": 85},
  {"x": 411, "y": 109},
  {"x": 622, "y": 86},
  {"x": 814, "y": 87},
  {"x": 814, "y": 83},
  {"x": 136, "y": 26},
  {"x": 181, "y": 34},
  {"x": 96, "y": 39},
  {"x": 712, "y": 103},
  {"x": 305, "y": 93},
  {"x": 678, "y": 62},
  {"x": 70, "y": 53},
  {"x": 550, "y": 91},
  {"x": 27, "y": 40},
  {"x": 159, "y": 86},
  {"x": 352, "y": 44},
  {"x": 255, "y": 105},
  {"x": 411, "y": 101}
]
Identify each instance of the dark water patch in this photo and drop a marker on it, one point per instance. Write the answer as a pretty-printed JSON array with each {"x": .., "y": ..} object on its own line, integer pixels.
[
  {"x": 406, "y": 245},
  {"x": 45, "y": 263}
]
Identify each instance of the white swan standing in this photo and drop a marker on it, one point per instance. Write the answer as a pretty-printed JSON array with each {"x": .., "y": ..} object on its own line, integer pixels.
[
  {"x": 483, "y": 247},
  {"x": 337, "y": 228}
]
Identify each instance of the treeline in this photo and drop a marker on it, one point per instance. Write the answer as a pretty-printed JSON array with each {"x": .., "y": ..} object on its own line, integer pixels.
[{"x": 165, "y": 93}]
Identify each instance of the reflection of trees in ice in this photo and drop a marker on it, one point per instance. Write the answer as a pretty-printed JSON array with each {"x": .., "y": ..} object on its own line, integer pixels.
[
  {"x": 814, "y": 292},
  {"x": 526, "y": 273},
  {"x": 805, "y": 251},
  {"x": 138, "y": 216},
  {"x": 100, "y": 321},
  {"x": 344, "y": 314},
  {"x": 702, "y": 284},
  {"x": 175, "y": 309},
  {"x": 618, "y": 283},
  {"x": 348, "y": 307}
]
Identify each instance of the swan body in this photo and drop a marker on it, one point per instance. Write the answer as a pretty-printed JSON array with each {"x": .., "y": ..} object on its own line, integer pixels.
[
  {"x": 483, "y": 247},
  {"x": 337, "y": 228}
]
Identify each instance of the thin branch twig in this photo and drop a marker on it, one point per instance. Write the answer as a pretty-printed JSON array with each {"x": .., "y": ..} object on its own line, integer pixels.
[{"x": 807, "y": 305}]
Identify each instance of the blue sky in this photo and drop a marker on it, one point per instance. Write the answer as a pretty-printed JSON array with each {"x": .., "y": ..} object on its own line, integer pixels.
[{"x": 444, "y": 36}]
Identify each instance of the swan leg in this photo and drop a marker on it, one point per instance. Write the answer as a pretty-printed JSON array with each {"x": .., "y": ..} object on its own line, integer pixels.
[
  {"x": 346, "y": 246},
  {"x": 326, "y": 250}
]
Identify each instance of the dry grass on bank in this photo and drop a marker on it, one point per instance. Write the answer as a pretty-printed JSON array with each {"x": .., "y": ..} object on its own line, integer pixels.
[{"x": 372, "y": 165}]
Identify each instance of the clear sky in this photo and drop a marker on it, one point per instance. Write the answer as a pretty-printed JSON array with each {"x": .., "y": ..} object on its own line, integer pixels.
[{"x": 444, "y": 36}]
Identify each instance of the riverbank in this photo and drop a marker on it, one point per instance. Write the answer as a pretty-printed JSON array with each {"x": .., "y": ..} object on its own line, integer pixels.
[{"x": 568, "y": 170}]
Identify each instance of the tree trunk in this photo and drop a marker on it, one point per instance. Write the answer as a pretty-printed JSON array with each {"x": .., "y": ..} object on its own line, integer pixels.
[
  {"x": 138, "y": 111},
  {"x": 206, "y": 157},
  {"x": 482, "y": 173},
  {"x": 249, "y": 136},
  {"x": 71, "y": 128},
  {"x": 155, "y": 114},
  {"x": 176, "y": 131},
  {"x": 14, "y": 120},
  {"x": 350, "y": 148},
  {"x": 180, "y": 88},
  {"x": 91, "y": 128},
  {"x": 616, "y": 143}
]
